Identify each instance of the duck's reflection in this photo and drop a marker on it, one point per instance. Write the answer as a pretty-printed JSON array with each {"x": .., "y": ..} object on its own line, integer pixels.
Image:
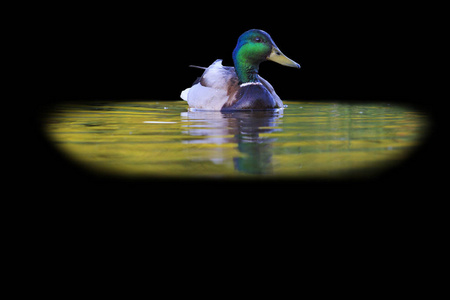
[{"x": 240, "y": 127}]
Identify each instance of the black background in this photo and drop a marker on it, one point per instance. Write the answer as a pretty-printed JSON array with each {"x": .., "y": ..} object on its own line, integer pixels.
[{"x": 347, "y": 52}]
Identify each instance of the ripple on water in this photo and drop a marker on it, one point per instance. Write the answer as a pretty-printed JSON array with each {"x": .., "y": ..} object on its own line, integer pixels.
[{"x": 306, "y": 139}]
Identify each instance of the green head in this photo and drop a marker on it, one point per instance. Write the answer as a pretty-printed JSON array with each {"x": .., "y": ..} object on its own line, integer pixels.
[{"x": 253, "y": 47}]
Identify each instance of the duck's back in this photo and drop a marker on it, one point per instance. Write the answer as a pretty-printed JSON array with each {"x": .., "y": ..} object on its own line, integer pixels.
[
  {"x": 210, "y": 92},
  {"x": 219, "y": 88}
]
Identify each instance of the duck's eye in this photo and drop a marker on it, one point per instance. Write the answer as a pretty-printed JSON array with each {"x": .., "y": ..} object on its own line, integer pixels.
[{"x": 258, "y": 39}]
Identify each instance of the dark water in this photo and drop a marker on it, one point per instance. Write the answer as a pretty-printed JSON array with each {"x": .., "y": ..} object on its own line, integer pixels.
[{"x": 306, "y": 139}]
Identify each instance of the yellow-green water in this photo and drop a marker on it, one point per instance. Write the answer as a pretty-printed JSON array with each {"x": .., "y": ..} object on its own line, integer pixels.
[{"x": 306, "y": 139}]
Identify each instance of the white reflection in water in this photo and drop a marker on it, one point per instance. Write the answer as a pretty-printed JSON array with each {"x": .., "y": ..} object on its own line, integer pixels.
[{"x": 243, "y": 128}]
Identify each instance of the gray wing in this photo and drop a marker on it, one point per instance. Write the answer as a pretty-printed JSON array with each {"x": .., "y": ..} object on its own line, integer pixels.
[{"x": 218, "y": 76}]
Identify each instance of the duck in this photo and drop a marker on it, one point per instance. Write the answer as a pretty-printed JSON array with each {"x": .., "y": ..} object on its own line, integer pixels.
[{"x": 225, "y": 88}]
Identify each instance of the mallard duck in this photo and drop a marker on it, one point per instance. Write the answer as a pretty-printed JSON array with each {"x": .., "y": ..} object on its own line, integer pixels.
[{"x": 239, "y": 87}]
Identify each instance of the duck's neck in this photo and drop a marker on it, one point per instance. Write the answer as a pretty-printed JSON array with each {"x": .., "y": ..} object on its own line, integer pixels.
[{"x": 246, "y": 68}]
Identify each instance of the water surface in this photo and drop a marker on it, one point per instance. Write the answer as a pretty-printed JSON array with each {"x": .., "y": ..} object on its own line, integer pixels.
[{"x": 306, "y": 139}]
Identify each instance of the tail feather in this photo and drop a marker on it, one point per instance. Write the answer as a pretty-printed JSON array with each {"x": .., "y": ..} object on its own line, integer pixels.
[
  {"x": 184, "y": 94},
  {"x": 193, "y": 66}
]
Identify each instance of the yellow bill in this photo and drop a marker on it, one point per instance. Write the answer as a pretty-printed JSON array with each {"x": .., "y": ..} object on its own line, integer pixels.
[{"x": 282, "y": 59}]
